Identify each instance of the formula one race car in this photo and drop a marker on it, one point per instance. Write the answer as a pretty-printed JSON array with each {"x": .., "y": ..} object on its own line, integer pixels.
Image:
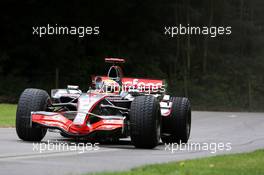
[{"x": 114, "y": 107}]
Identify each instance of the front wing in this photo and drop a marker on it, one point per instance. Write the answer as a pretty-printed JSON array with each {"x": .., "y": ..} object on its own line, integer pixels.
[{"x": 59, "y": 121}]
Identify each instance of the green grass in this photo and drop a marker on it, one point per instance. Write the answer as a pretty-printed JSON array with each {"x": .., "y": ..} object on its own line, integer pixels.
[
  {"x": 237, "y": 164},
  {"x": 7, "y": 115}
]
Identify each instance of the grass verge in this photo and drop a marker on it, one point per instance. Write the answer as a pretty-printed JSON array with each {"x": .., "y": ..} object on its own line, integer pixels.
[
  {"x": 7, "y": 115},
  {"x": 236, "y": 164}
]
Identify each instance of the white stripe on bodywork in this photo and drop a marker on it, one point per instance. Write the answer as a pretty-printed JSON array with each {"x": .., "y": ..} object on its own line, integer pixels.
[{"x": 85, "y": 103}]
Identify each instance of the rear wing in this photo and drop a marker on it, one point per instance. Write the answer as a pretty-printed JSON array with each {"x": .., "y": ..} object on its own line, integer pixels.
[
  {"x": 115, "y": 60},
  {"x": 142, "y": 85}
]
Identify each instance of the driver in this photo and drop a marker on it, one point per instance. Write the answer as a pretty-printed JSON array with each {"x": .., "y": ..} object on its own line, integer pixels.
[{"x": 107, "y": 85}]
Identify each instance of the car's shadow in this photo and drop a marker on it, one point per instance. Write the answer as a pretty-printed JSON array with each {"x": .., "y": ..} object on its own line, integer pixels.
[
  {"x": 116, "y": 144},
  {"x": 119, "y": 144}
]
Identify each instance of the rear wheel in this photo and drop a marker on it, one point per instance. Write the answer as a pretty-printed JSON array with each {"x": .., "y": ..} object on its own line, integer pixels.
[
  {"x": 145, "y": 122},
  {"x": 30, "y": 100},
  {"x": 176, "y": 128}
]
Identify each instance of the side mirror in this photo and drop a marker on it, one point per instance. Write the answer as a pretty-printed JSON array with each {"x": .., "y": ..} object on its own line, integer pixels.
[{"x": 72, "y": 87}]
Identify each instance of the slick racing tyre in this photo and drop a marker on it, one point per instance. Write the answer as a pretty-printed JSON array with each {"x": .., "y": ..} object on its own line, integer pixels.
[
  {"x": 176, "y": 128},
  {"x": 30, "y": 100},
  {"x": 145, "y": 122}
]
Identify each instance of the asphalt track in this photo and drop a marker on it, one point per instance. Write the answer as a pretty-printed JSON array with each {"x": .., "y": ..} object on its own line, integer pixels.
[{"x": 244, "y": 131}]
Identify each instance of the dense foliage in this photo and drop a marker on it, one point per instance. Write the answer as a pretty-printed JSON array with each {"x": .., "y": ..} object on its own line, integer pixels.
[{"x": 220, "y": 73}]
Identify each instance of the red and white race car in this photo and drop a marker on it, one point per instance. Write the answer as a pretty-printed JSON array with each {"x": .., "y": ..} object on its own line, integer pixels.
[{"x": 114, "y": 107}]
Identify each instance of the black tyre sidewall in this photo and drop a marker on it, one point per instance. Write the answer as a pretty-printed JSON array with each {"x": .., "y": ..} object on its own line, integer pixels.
[
  {"x": 30, "y": 100},
  {"x": 178, "y": 124}
]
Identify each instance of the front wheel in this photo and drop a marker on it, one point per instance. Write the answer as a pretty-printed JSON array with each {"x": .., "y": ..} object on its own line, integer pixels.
[
  {"x": 145, "y": 122},
  {"x": 30, "y": 100}
]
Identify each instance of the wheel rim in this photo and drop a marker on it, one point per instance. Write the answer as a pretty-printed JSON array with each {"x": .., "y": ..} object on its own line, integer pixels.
[
  {"x": 158, "y": 129},
  {"x": 188, "y": 124}
]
